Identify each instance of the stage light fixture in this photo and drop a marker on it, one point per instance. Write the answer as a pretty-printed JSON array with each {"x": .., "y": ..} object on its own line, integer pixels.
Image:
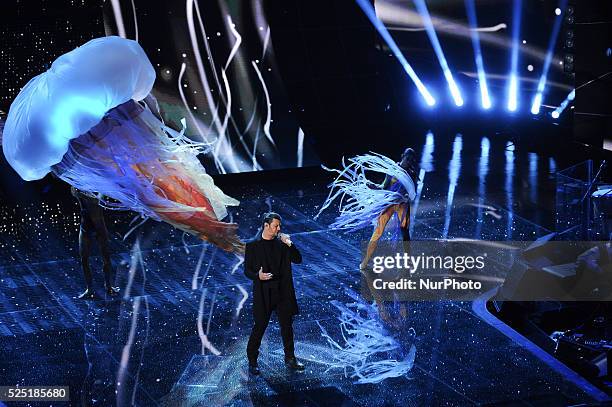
[
  {"x": 367, "y": 8},
  {"x": 537, "y": 100},
  {"x": 482, "y": 79},
  {"x": 433, "y": 38},
  {"x": 513, "y": 81}
]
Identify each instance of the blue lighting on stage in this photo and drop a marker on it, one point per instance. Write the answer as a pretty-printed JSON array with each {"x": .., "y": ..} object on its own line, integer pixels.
[
  {"x": 533, "y": 177},
  {"x": 512, "y": 93},
  {"x": 454, "y": 169},
  {"x": 557, "y": 112},
  {"x": 483, "y": 170},
  {"x": 431, "y": 33},
  {"x": 516, "y": 29},
  {"x": 371, "y": 14},
  {"x": 427, "y": 165},
  {"x": 509, "y": 170},
  {"x": 537, "y": 100},
  {"x": 482, "y": 80}
]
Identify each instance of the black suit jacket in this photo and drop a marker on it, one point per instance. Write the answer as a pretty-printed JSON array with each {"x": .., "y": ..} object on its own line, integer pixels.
[{"x": 276, "y": 293}]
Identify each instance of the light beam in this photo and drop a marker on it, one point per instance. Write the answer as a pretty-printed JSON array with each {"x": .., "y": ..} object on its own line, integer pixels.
[
  {"x": 384, "y": 33},
  {"x": 482, "y": 79},
  {"x": 557, "y": 112},
  {"x": 433, "y": 38},
  {"x": 516, "y": 30},
  {"x": 537, "y": 100}
]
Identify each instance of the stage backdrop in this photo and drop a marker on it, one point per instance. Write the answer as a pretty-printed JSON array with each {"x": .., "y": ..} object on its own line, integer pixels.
[{"x": 216, "y": 69}]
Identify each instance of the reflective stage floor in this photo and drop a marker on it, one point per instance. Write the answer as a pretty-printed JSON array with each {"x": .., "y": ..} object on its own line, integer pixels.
[{"x": 176, "y": 335}]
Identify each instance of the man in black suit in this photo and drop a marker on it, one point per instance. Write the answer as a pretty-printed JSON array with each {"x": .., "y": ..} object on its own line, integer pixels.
[{"x": 267, "y": 261}]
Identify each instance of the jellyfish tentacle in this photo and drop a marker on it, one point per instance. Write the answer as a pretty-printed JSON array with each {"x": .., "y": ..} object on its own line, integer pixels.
[{"x": 125, "y": 158}]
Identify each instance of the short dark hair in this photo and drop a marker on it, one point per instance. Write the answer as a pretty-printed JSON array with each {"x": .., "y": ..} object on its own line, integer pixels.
[
  {"x": 409, "y": 153},
  {"x": 270, "y": 216}
]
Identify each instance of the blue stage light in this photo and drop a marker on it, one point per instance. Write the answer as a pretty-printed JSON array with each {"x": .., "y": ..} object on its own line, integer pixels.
[
  {"x": 557, "y": 112},
  {"x": 367, "y": 8},
  {"x": 482, "y": 80},
  {"x": 431, "y": 33},
  {"x": 512, "y": 93},
  {"x": 537, "y": 100},
  {"x": 516, "y": 30}
]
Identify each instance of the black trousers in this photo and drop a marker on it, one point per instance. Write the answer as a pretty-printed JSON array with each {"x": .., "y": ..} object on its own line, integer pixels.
[
  {"x": 86, "y": 240},
  {"x": 286, "y": 327}
]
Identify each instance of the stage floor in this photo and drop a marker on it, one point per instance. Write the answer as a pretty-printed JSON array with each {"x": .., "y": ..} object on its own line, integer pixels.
[{"x": 177, "y": 333}]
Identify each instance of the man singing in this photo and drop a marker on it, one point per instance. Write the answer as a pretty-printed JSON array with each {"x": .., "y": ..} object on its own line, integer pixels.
[{"x": 267, "y": 261}]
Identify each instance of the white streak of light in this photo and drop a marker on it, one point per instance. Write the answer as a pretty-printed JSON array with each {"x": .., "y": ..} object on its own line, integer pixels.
[
  {"x": 232, "y": 28},
  {"x": 196, "y": 273},
  {"x": 135, "y": 20},
  {"x": 142, "y": 351},
  {"x": 142, "y": 222},
  {"x": 222, "y": 144},
  {"x": 300, "y": 148},
  {"x": 238, "y": 264},
  {"x": 483, "y": 170},
  {"x": 127, "y": 348},
  {"x": 118, "y": 18},
  {"x": 134, "y": 261},
  {"x": 266, "y": 41},
  {"x": 498, "y": 27},
  {"x": 509, "y": 170},
  {"x": 426, "y": 165},
  {"x": 454, "y": 168},
  {"x": 187, "y": 108},
  {"x": 266, "y": 127},
  {"x": 203, "y": 337},
  {"x": 245, "y": 296},
  {"x": 201, "y": 71}
]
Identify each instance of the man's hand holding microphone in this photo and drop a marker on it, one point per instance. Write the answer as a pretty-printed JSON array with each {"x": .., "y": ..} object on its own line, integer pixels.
[{"x": 286, "y": 239}]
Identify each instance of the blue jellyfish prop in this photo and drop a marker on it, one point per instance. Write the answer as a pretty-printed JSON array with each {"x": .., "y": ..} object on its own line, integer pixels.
[{"x": 85, "y": 121}]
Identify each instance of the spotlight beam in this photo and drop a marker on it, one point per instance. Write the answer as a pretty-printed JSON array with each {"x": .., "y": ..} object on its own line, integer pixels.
[
  {"x": 433, "y": 38},
  {"x": 537, "y": 100},
  {"x": 516, "y": 30},
  {"x": 557, "y": 112},
  {"x": 482, "y": 79},
  {"x": 380, "y": 27}
]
